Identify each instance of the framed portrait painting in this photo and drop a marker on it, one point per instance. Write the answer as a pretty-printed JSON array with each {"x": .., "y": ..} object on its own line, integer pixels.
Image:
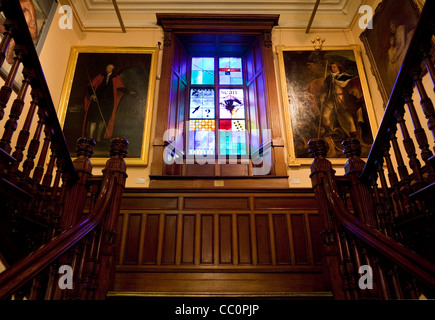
[
  {"x": 108, "y": 92},
  {"x": 386, "y": 44},
  {"x": 325, "y": 94}
]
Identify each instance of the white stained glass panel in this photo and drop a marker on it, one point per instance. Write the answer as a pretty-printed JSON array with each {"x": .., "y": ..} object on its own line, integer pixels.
[
  {"x": 231, "y": 104},
  {"x": 202, "y": 104}
]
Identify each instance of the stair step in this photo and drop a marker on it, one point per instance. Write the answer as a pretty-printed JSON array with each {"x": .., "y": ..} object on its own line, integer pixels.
[
  {"x": 424, "y": 193},
  {"x": 5, "y": 159},
  {"x": 11, "y": 190}
]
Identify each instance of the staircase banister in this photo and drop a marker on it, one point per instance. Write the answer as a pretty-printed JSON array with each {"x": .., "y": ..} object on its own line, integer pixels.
[
  {"x": 423, "y": 34},
  {"x": 23, "y": 39},
  {"x": 20, "y": 273},
  {"x": 396, "y": 252}
]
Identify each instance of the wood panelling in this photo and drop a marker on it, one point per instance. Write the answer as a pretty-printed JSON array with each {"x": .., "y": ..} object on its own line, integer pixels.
[
  {"x": 300, "y": 238},
  {"x": 225, "y": 239},
  {"x": 150, "y": 203},
  {"x": 169, "y": 239},
  {"x": 284, "y": 203},
  {"x": 226, "y": 231},
  {"x": 263, "y": 239},
  {"x": 216, "y": 203},
  {"x": 151, "y": 239},
  {"x": 132, "y": 239}
]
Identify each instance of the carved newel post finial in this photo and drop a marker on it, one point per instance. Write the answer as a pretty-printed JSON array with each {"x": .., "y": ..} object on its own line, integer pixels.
[
  {"x": 352, "y": 151},
  {"x": 317, "y": 147},
  {"x": 85, "y": 147},
  {"x": 119, "y": 147}
]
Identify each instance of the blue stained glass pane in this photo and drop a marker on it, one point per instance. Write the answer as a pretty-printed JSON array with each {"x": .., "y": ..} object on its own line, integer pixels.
[
  {"x": 202, "y": 70},
  {"x": 232, "y": 137},
  {"x": 230, "y": 71}
]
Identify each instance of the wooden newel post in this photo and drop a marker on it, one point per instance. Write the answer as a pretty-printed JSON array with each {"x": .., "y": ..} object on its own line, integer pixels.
[
  {"x": 76, "y": 195},
  {"x": 321, "y": 169},
  {"x": 361, "y": 194},
  {"x": 115, "y": 169}
]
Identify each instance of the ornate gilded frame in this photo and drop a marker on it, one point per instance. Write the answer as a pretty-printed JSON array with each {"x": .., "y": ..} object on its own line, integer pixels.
[
  {"x": 134, "y": 63},
  {"x": 289, "y": 109}
]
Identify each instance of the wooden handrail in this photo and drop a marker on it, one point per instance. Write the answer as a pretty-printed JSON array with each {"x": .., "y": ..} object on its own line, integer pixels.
[
  {"x": 423, "y": 34},
  {"x": 397, "y": 253},
  {"x": 22, "y": 272}
]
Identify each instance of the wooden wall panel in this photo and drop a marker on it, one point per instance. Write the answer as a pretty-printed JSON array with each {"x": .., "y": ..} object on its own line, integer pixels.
[
  {"x": 131, "y": 253},
  {"x": 151, "y": 238},
  {"x": 244, "y": 238},
  {"x": 300, "y": 239},
  {"x": 216, "y": 203},
  {"x": 169, "y": 239},
  {"x": 225, "y": 239},
  {"x": 281, "y": 239},
  {"x": 317, "y": 242},
  {"x": 207, "y": 235},
  {"x": 188, "y": 247},
  {"x": 263, "y": 239}
]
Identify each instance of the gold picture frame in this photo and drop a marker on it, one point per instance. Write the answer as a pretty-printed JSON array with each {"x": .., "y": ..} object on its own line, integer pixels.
[
  {"x": 305, "y": 81},
  {"x": 127, "y": 109}
]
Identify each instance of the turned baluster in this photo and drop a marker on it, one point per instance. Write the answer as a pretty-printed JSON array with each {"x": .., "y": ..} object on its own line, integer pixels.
[
  {"x": 46, "y": 183},
  {"x": 6, "y": 89},
  {"x": 53, "y": 208},
  {"x": 425, "y": 101},
  {"x": 383, "y": 280},
  {"x": 388, "y": 203},
  {"x": 16, "y": 110},
  {"x": 395, "y": 283},
  {"x": 380, "y": 210},
  {"x": 7, "y": 37},
  {"x": 427, "y": 58},
  {"x": 23, "y": 138},
  {"x": 414, "y": 163},
  {"x": 392, "y": 177},
  {"x": 420, "y": 134},
  {"x": 39, "y": 169},
  {"x": 29, "y": 164}
]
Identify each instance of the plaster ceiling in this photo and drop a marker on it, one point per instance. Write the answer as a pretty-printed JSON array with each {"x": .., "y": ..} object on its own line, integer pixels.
[{"x": 97, "y": 15}]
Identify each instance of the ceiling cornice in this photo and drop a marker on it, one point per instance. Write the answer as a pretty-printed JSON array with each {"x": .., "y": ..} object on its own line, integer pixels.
[{"x": 96, "y": 15}]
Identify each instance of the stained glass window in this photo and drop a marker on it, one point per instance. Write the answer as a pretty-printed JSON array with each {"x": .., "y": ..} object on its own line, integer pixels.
[
  {"x": 223, "y": 101},
  {"x": 202, "y": 71}
]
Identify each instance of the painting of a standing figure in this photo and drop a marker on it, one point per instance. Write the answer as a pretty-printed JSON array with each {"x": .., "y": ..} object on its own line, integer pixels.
[
  {"x": 108, "y": 93},
  {"x": 324, "y": 97}
]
